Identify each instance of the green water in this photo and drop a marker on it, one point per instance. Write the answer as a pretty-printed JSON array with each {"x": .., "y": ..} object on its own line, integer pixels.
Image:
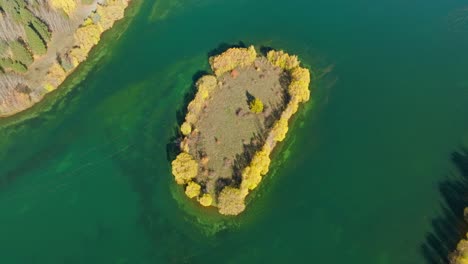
[{"x": 85, "y": 176}]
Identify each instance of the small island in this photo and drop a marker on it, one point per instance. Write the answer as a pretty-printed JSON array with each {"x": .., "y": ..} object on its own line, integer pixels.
[
  {"x": 234, "y": 122},
  {"x": 44, "y": 41}
]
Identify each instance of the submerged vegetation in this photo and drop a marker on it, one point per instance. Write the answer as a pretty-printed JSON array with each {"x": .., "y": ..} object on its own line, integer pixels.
[
  {"x": 460, "y": 254},
  {"x": 234, "y": 122},
  {"x": 42, "y": 41}
]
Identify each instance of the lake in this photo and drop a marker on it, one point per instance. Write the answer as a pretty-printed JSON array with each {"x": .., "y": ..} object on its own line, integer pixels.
[{"x": 85, "y": 175}]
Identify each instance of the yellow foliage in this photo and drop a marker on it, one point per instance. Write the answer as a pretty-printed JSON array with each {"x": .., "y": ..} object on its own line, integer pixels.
[
  {"x": 184, "y": 146},
  {"x": 66, "y": 5},
  {"x": 206, "y": 85},
  {"x": 256, "y": 106},
  {"x": 206, "y": 200},
  {"x": 194, "y": 108},
  {"x": 293, "y": 105},
  {"x": 88, "y": 36},
  {"x": 192, "y": 189},
  {"x": 184, "y": 168},
  {"x": 77, "y": 55},
  {"x": 88, "y": 21},
  {"x": 231, "y": 201},
  {"x": 55, "y": 75},
  {"x": 280, "y": 129},
  {"x": 191, "y": 118},
  {"x": 250, "y": 178},
  {"x": 299, "y": 86},
  {"x": 186, "y": 128},
  {"x": 111, "y": 12},
  {"x": 232, "y": 58},
  {"x": 251, "y": 175},
  {"x": 460, "y": 255},
  {"x": 261, "y": 161},
  {"x": 283, "y": 60},
  {"x": 49, "y": 87}
]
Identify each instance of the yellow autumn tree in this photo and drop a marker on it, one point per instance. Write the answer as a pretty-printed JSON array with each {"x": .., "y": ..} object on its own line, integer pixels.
[
  {"x": 256, "y": 106},
  {"x": 112, "y": 11},
  {"x": 184, "y": 168},
  {"x": 261, "y": 161},
  {"x": 232, "y": 58},
  {"x": 252, "y": 174},
  {"x": 251, "y": 177},
  {"x": 283, "y": 60},
  {"x": 280, "y": 129},
  {"x": 68, "y": 6},
  {"x": 299, "y": 86},
  {"x": 460, "y": 255},
  {"x": 206, "y": 200},
  {"x": 85, "y": 38},
  {"x": 206, "y": 85},
  {"x": 55, "y": 76},
  {"x": 231, "y": 201},
  {"x": 186, "y": 128},
  {"x": 192, "y": 189}
]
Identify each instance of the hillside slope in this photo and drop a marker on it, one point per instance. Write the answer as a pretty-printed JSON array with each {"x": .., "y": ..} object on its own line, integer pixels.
[{"x": 42, "y": 41}]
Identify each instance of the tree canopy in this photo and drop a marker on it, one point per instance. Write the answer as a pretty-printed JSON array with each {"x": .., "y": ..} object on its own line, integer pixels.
[{"x": 184, "y": 168}]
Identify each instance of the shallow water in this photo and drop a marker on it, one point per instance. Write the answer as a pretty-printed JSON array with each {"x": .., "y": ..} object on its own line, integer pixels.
[{"x": 85, "y": 176}]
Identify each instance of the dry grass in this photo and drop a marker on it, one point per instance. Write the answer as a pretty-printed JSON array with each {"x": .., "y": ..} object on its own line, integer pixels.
[{"x": 227, "y": 133}]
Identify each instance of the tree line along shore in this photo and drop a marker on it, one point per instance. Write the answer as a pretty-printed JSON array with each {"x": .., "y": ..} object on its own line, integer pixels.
[{"x": 43, "y": 41}]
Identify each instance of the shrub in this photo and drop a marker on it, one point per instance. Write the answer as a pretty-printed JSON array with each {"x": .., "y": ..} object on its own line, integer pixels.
[
  {"x": 55, "y": 75},
  {"x": 192, "y": 189},
  {"x": 251, "y": 175},
  {"x": 35, "y": 42},
  {"x": 299, "y": 86},
  {"x": 206, "y": 200},
  {"x": 114, "y": 10},
  {"x": 21, "y": 53},
  {"x": 41, "y": 28},
  {"x": 66, "y": 62},
  {"x": 250, "y": 178},
  {"x": 283, "y": 60},
  {"x": 88, "y": 36},
  {"x": 280, "y": 129},
  {"x": 460, "y": 255},
  {"x": 256, "y": 106},
  {"x": 231, "y": 59},
  {"x": 231, "y": 201},
  {"x": 12, "y": 65},
  {"x": 66, "y": 5},
  {"x": 186, "y": 128},
  {"x": 184, "y": 168},
  {"x": 206, "y": 85}
]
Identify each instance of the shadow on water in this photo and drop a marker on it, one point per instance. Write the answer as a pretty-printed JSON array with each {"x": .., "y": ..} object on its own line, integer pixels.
[
  {"x": 146, "y": 175},
  {"x": 225, "y": 46},
  {"x": 451, "y": 227},
  {"x": 172, "y": 148}
]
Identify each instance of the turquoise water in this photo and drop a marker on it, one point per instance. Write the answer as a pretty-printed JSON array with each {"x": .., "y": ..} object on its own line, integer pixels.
[{"x": 85, "y": 176}]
